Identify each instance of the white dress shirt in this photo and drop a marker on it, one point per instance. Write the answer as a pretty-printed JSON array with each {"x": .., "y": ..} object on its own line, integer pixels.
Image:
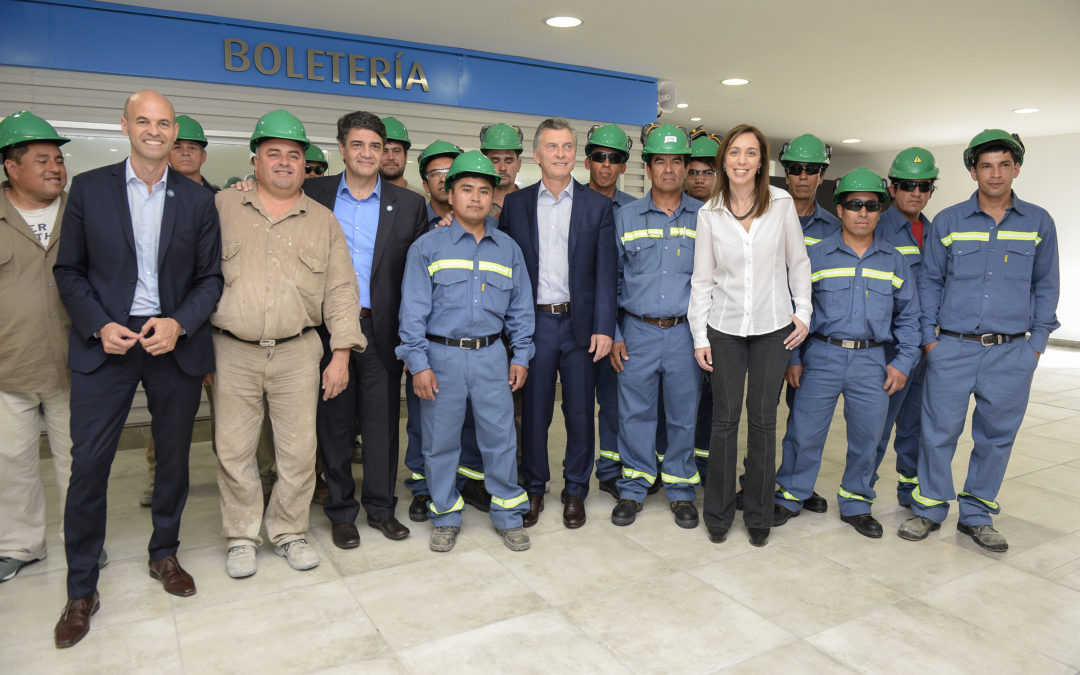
[
  {"x": 553, "y": 230},
  {"x": 744, "y": 283}
]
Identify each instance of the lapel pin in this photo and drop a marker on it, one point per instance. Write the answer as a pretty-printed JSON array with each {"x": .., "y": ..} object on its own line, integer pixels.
[
  {"x": 170, "y": 193},
  {"x": 389, "y": 207}
]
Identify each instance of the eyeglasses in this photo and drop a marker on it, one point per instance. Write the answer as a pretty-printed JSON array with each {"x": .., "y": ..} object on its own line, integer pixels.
[
  {"x": 599, "y": 156},
  {"x": 315, "y": 169},
  {"x": 437, "y": 173},
  {"x": 810, "y": 169},
  {"x": 913, "y": 185},
  {"x": 858, "y": 205},
  {"x": 701, "y": 172}
]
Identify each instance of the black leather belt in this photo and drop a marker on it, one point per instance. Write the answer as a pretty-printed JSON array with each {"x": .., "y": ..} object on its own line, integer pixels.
[
  {"x": 466, "y": 343},
  {"x": 558, "y": 308},
  {"x": 664, "y": 322},
  {"x": 985, "y": 339},
  {"x": 365, "y": 313},
  {"x": 846, "y": 344},
  {"x": 264, "y": 343}
]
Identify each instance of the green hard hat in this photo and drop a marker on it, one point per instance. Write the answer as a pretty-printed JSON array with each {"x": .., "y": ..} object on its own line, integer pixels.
[
  {"x": 501, "y": 137},
  {"x": 233, "y": 180},
  {"x": 806, "y": 148},
  {"x": 315, "y": 154},
  {"x": 666, "y": 139},
  {"x": 396, "y": 131},
  {"x": 987, "y": 136},
  {"x": 279, "y": 124},
  {"x": 190, "y": 130},
  {"x": 860, "y": 180},
  {"x": 914, "y": 164},
  {"x": 704, "y": 147},
  {"x": 26, "y": 127},
  {"x": 608, "y": 136},
  {"x": 436, "y": 149},
  {"x": 470, "y": 163}
]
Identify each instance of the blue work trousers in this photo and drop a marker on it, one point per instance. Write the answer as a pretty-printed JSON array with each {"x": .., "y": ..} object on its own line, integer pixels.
[
  {"x": 905, "y": 412},
  {"x": 609, "y": 462},
  {"x": 471, "y": 464}
]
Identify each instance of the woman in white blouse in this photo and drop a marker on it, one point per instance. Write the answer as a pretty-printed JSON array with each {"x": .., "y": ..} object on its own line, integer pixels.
[{"x": 750, "y": 270}]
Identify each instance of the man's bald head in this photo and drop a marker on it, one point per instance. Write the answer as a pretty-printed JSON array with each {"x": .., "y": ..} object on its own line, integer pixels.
[{"x": 145, "y": 95}]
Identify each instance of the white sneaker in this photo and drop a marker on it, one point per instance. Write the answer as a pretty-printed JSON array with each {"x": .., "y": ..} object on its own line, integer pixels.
[
  {"x": 299, "y": 554},
  {"x": 241, "y": 561}
]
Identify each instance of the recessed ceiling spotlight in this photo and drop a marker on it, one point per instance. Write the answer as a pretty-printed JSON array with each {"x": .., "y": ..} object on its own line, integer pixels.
[
  {"x": 1026, "y": 111},
  {"x": 852, "y": 140},
  {"x": 682, "y": 105},
  {"x": 695, "y": 119},
  {"x": 735, "y": 81},
  {"x": 563, "y": 22}
]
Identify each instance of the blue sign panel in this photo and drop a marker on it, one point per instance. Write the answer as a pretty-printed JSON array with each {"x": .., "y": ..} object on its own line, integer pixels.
[{"x": 106, "y": 38}]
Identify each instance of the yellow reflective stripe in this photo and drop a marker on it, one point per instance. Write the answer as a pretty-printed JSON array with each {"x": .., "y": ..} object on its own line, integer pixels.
[
  {"x": 631, "y": 473},
  {"x": 881, "y": 274},
  {"x": 510, "y": 503},
  {"x": 925, "y": 501},
  {"x": 1019, "y": 236},
  {"x": 851, "y": 495},
  {"x": 699, "y": 452},
  {"x": 692, "y": 480},
  {"x": 832, "y": 272},
  {"x": 469, "y": 473},
  {"x": 788, "y": 496},
  {"x": 659, "y": 457},
  {"x": 908, "y": 250},
  {"x": 449, "y": 264},
  {"x": 992, "y": 505},
  {"x": 901, "y": 478},
  {"x": 458, "y": 505},
  {"x": 810, "y": 241},
  {"x": 488, "y": 266},
  {"x": 650, "y": 233},
  {"x": 684, "y": 232},
  {"x": 613, "y": 456},
  {"x": 416, "y": 476},
  {"x": 965, "y": 236}
]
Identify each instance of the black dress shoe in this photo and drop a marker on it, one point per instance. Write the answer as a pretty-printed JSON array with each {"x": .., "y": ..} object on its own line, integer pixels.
[
  {"x": 475, "y": 495},
  {"x": 573, "y": 512},
  {"x": 717, "y": 535},
  {"x": 610, "y": 486},
  {"x": 418, "y": 510},
  {"x": 816, "y": 504},
  {"x": 625, "y": 512},
  {"x": 686, "y": 515},
  {"x": 536, "y": 505},
  {"x": 740, "y": 500},
  {"x": 759, "y": 536},
  {"x": 74, "y": 621},
  {"x": 865, "y": 524},
  {"x": 391, "y": 527},
  {"x": 173, "y": 577},
  {"x": 781, "y": 515},
  {"x": 345, "y": 535}
]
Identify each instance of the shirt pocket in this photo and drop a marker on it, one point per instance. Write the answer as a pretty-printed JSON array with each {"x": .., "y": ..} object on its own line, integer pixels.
[
  {"x": 835, "y": 294},
  {"x": 879, "y": 299},
  {"x": 684, "y": 255},
  {"x": 495, "y": 292},
  {"x": 230, "y": 263},
  {"x": 311, "y": 274},
  {"x": 450, "y": 288},
  {"x": 967, "y": 260},
  {"x": 1019, "y": 259},
  {"x": 643, "y": 255}
]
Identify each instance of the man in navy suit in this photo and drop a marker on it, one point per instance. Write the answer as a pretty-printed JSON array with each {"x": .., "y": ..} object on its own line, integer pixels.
[
  {"x": 139, "y": 270},
  {"x": 567, "y": 235}
]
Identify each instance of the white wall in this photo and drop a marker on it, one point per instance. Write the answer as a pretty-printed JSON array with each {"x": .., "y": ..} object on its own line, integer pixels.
[{"x": 1047, "y": 163}]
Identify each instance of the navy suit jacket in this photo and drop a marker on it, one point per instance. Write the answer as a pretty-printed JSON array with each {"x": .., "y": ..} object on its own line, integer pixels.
[
  {"x": 402, "y": 219},
  {"x": 96, "y": 269},
  {"x": 593, "y": 261}
]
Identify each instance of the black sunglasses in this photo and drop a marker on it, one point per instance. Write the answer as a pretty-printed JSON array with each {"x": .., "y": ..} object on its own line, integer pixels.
[
  {"x": 599, "y": 156},
  {"x": 858, "y": 205},
  {"x": 913, "y": 185},
  {"x": 810, "y": 169},
  {"x": 315, "y": 169}
]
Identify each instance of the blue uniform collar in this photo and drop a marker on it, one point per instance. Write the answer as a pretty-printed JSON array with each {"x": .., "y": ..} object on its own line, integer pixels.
[
  {"x": 343, "y": 189},
  {"x": 818, "y": 214},
  {"x": 686, "y": 204},
  {"x": 457, "y": 232},
  {"x": 971, "y": 206},
  {"x": 892, "y": 218},
  {"x": 835, "y": 242}
]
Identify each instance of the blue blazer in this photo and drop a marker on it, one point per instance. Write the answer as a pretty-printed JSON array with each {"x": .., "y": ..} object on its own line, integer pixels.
[
  {"x": 96, "y": 269},
  {"x": 593, "y": 273}
]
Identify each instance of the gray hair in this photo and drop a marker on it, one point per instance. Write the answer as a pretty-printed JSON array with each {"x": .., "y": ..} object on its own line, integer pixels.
[{"x": 553, "y": 123}]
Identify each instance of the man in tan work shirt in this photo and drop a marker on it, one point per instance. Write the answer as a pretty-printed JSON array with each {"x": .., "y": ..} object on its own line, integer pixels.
[{"x": 286, "y": 271}]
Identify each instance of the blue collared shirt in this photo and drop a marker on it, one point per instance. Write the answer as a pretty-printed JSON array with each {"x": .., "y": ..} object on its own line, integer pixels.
[
  {"x": 867, "y": 298},
  {"x": 433, "y": 219},
  {"x": 146, "y": 213},
  {"x": 656, "y": 257},
  {"x": 553, "y": 235},
  {"x": 984, "y": 277},
  {"x": 359, "y": 219},
  {"x": 818, "y": 225},
  {"x": 894, "y": 228},
  {"x": 457, "y": 287},
  {"x": 622, "y": 199}
]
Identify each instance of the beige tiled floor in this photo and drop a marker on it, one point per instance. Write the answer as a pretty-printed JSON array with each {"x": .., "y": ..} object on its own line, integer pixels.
[{"x": 645, "y": 598}]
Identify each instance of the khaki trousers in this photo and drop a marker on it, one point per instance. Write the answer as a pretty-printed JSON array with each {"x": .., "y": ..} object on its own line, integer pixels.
[
  {"x": 22, "y": 494},
  {"x": 288, "y": 377}
]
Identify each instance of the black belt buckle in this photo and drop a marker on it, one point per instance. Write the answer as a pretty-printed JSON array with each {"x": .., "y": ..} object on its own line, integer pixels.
[
  {"x": 989, "y": 339},
  {"x": 470, "y": 343}
]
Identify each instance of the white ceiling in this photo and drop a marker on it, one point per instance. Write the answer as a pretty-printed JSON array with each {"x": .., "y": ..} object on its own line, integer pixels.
[{"x": 894, "y": 74}]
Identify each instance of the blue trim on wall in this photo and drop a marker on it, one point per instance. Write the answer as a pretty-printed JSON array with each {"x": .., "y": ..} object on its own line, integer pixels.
[{"x": 82, "y": 35}]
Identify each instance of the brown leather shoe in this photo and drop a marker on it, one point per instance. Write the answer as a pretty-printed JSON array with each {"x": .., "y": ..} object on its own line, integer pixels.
[
  {"x": 173, "y": 577},
  {"x": 345, "y": 535},
  {"x": 390, "y": 527},
  {"x": 573, "y": 512},
  {"x": 536, "y": 505},
  {"x": 74, "y": 621}
]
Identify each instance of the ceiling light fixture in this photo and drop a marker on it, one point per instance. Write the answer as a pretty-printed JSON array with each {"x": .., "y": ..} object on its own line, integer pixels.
[
  {"x": 563, "y": 22},
  {"x": 1026, "y": 111},
  {"x": 852, "y": 140},
  {"x": 682, "y": 105},
  {"x": 735, "y": 81},
  {"x": 695, "y": 119}
]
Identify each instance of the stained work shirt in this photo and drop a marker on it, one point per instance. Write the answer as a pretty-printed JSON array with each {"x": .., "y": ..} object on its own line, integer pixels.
[
  {"x": 984, "y": 277},
  {"x": 458, "y": 287}
]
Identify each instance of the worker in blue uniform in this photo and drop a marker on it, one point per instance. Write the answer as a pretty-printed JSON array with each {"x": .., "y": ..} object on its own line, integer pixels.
[
  {"x": 989, "y": 291},
  {"x": 911, "y": 183},
  {"x": 464, "y": 286},
  {"x": 862, "y": 299},
  {"x": 655, "y": 238}
]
